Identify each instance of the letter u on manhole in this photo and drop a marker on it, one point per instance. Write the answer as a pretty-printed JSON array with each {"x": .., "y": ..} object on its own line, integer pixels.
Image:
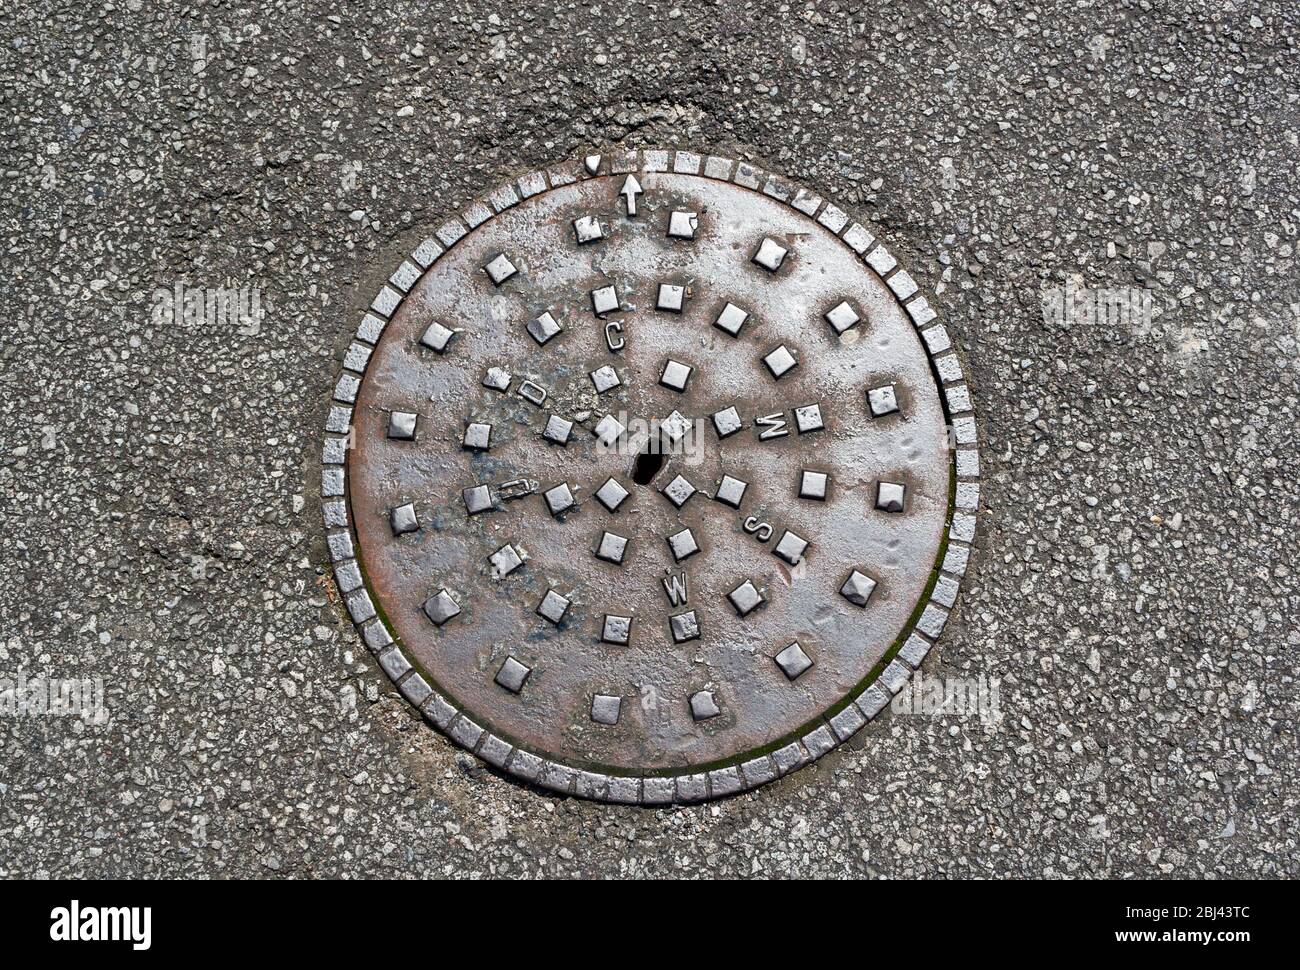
[{"x": 650, "y": 477}]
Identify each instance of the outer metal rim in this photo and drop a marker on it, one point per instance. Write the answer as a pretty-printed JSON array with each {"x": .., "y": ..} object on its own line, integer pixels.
[{"x": 828, "y": 731}]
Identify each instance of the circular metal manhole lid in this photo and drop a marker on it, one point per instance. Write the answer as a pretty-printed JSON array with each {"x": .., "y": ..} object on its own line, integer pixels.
[{"x": 639, "y": 478}]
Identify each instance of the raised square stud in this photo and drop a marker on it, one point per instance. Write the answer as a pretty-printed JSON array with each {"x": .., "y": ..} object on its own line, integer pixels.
[
  {"x": 682, "y": 225},
  {"x": 558, "y": 499},
  {"x": 612, "y": 494},
  {"x": 478, "y": 498},
  {"x": 842, "y": 317},
  {"x": 557, "y": 430},
  {"x": 882, "y": 400},
  {"x": 436, "y": 337},
  {"x": 611, "y": 548},
  {"x": 731, "y": 319},
  {"x": 608, "y": 430},
  {"x": 675, "y": 375},
  {"x": 500, "y": 269},
  {"x": 478, "y": 436},
  {"x": 889, "y": 496},
  {"x": 727, "y": 421},
  {"x": 703, "y": 706},
  {"x": 605, "y": 708},
  {"x": 684, "y": 627},
  {"x": 671, "y": 296},
  {"x": 746, "y": 598},
  {"x": 780, "y": 361},
  {"x": 683, "y": 545},
  {"x": 401, "y": 426},
  {"x": 675, "y": 426},
  {"x": 505, "y": 561},
  {"x": 793, "y": 661},
  {"x": 731, "y": 491},
  {"x": 857, "y": 588},
  {"x": 553, "y": 606},
  {"x": 441, "y": 607},
  {"x": 813, "y": 485},
  {"x": 605, "y": 378},
  {"x": 770, "y": 255},
  {"x": 808, "y": 418},
  {"x": 496, "y": 379},
  {"x": 543, "y": 328},
  {"x": 587, "y": 229},
  {"x": 790, "y": 547},
  {"x": 604, "y": 300},
  {"x": 616, "y": 629},
  {"x": 678, "y": 491},
  {"x": 403, "y": 519},
  {"x": 512, "y": 675}
]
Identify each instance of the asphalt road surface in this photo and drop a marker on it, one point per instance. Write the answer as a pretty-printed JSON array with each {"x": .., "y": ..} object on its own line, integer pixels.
[{"x": 1133, "y": 598}]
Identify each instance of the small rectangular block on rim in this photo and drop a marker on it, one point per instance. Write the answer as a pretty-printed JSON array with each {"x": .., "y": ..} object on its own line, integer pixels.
[
  {"x": 657, "y": 791},
  {"x": 945, "y": 591},
  {"x": 333, "y": 452},
  {"x": 415, "y": 689},
  {"x": 956, "y": 559},
  {"x": 789, "y": 758},
  {"x": 359, "y": 606},
  {"x": 331, "y": 482},
  {"x": 717, "y": 168},
  {"x": 426, "y": 254},
  {"x": 847, "y": 722},
  {"x": 806, "y": 202},
  {"x": 775, "y": 189},
  {"x": 339, "y": 420},
  {"x": 747, "y": 175},
  {"x": 404, "y": 276},
  {"x": 437, "y": 710},
  {"x": 376, "y": 636},
  {"x": 372, "y": 327},
  {"x": 914, "y": 650},
  {"x": 692, "y": 788},
  {"x": 393, "y": 663},
  {"x": 964, "y": 430},
  {"x": 894, "y": 676},
  {"x": 346, "y": 389},
  {"x": 386, "y": 302},
  {"x": 558, "y": 778},
  {"x": 687, "y": 163},
  {"x": 532, "y": 183},
  {"x": 623, "y": 163},
  {"x": 525, "y": 764},
  {"x": 758, "y": 771},
  {"x": 818, "y": 742},
  {"x": 932, "y": 621},
  {"x": 655, "y": 160},
  {"x": 451, "y": 232},
  {"x": 921, "y": 312},
  {"x": 477, "y": 214},
  {"x": 335, "y": 514},
  {"x": 958, "y": 398},
  {"x": 466, "y": 732},
  {"x": 858, "y": 238},
  {"x": 626, "y": 791},
  {"x": 963, "y": 527},
  {"x": 503, "y": 198},
  {"x": 495, "y": 750},
  {"x": 902, "y": 284},
  {"x": 949, "y": 368},
  {"x": 881, "y": 260},
  {"x": 872, "y": 702},
  {"x": 833, "y": 218},
  {"x": 968, "y": 463},
  {"x": 357, "y": 357},
  {"x": 968, "y": 496},
  {"x": 340, "y": 545},
  {"x": 936, "y": 339},
  {"x": 591, "y": 784},
  {"x": 725, "y": 781}
]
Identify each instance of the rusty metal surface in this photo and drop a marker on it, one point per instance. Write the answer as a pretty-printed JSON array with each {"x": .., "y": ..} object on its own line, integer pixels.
[{"x": 666, "y": 690}]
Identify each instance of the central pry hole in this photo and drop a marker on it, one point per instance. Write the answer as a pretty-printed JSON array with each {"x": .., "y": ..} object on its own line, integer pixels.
[{"x": 648, "y": 463}]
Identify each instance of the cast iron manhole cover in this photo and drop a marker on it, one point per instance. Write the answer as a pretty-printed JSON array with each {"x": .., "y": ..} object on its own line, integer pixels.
[{"x": 639, "y": 478}]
